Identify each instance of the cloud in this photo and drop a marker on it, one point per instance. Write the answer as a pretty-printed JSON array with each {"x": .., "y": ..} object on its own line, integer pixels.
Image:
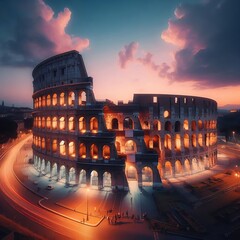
[
  {"x": 208, "y": 35},
  {"x": 32, "y": 32},
  {"x": 127, "y": 54}
]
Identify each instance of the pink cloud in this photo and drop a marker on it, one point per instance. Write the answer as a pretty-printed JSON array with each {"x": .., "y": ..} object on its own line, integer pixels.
[{"x": 127, "y": 54}]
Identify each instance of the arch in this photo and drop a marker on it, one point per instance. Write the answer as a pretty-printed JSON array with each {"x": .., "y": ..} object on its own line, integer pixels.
[
  {"x": 71, "y": 149},
  {"x": 82, "y": 177},
  {"x": 156, "y": 125},
  {"x": 54, "y": 99},
  {"x": 168, "y": 126},
  {"x": 147, "y": 176},
  {"x": 82, "y": 151},
  {"x": 193, "y": 125},
  {"x": 54, "y": 123},
  {"x": 185, "y": 125},
  {"x": 94, "y": 179},
  {"x": 48, "y": 123},
  {"x": 178, "y": 167},
  {"x": 128, "y": 123},
  {"x": 106, "y": 152},
  {"x": 54, "y": 145},
  {"x": 62, "y": 99},
  {"x": 187, "y": 166},
  {"x": 71, "y": 124},
  {"x": 168, "y": 169},
  {"x": 62, "y": 145},
  {"x": 43, "y": 144},
  {"x": 194, "y": 165},
  {"x": 94, "y": 125},
  {"x": 130, "y": 146},
  {"x": 43, "y": 101},
  {"x": 167, "y": 142},
  {"x": 48, "y": 100},
  {"x": 39, "y": 122},
  {"x": 72, "y": 175},
  {"x": 62, "y": 123},
  {"x": 48, "y": 167},
  {"x": 194, "y": 140},
  {"x": 177, "y": 126},
  {"x": 40, "y": 102},
  {"x": 177, "y": 142},
  {"x": 54, "y": 170},
  {"x": 115, "y": 123},
  {"x": 200, "y": 125},
  {"x": 82, "y": 124},
  {"x": 186, "y": 141},
  {"x": 107, "y": 180},
  {"x": 94, "y": 151},
  {"x": 43, "y": 166},
  {"x": 118, "y": 146},
  {"x": 131, "y": 173},
  {"x": 82, "y": 98},
  {"x": 62, "y": 172},
  {"x": 71, "y": 99},
  {"x": 156, "y": 141}
]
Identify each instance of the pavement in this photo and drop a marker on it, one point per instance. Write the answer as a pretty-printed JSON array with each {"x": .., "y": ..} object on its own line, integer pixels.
[{"x": 76, "y": 203}]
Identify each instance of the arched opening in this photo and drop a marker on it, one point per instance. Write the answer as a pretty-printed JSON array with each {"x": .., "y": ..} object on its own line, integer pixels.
[
  {"x": 107, "y": 182},
  {"x": 54, "y": 170},
  {"x": 48, "y": 168},
  {"x": 195, "y": 165},
  {"x": 131, "y": 173},
  {"x": 39, "y": 122},
  {"x": 186, "y": 141},
  {"x": 168, "y": 169},
  {"x": 194, "y": 126},
  {"x": 128, "y": 123},
  {"x": 178, "y": 167},
  {"x": 54, "y": 145},
  {"x": 82, "y": 125},
  {"x": 147, "y": 176},
  {"x": 94, "y": 179},
  {"x": 130, "y": 146},
  {"x": 82, "y": 99},
  {"x": 94, "y": 151},
  {"x": 43, "y": 145},
  {"x": 71, "y": 99},
  {"x": 82, "y": 151},
  {"x": 62, "y": 99},
  {"x": 185, "y": 125},
  {"x": 187, "y": 166},
  {"x": 156, "y": 142},
  {"x": 71, "y": 124},
  {"x": 62, "y": 173},
  {"x": 167, "y": 142},
  {"x": 207, "y": 139},
  {"x": 43, "y": 166},
  {"x": 200, "y": 125},
  {"x": 200, "y": 139},
  {"x": 40, "y": 102},
  {"x": 62, "y": 148},
  {"x": 178, "y": 142},
  {"x": 48, "y": 100},
  {"x": 82, "y": 178},
  {"x": 62, "y": 123},
  {"x": 94, "y": 125},
  {"x": 71, "y": 149},
  {"x": 156, "y": 125},
  {"x": 43, "y": 101},
  {"x": 115, "y": 123},
  {"x": 54, "y": 99},
  {"x": 54, "y": 123},
  {"x": 106, "y": 152},
  {"x": 177, "y": 126},
  {"x": 48, "y": 123},
  {"x": 168, "y": 126},
  {"x": 194, "y": 140},
  {"x": 72, "y": 175}
]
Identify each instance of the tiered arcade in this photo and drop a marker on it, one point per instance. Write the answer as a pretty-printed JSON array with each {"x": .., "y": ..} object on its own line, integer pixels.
[{"x": 101, "y": 144}]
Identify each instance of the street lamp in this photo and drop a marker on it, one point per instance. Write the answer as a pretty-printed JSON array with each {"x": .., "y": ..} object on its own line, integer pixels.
[{"x": 87, "y": 202}]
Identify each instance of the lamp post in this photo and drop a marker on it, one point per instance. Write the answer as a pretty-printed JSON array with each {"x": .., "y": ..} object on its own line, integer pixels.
[{"x": 87, "y": 202}]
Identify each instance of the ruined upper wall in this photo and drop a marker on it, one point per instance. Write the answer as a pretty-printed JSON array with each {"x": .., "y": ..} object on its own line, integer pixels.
[{"x": 65, "y": 68}]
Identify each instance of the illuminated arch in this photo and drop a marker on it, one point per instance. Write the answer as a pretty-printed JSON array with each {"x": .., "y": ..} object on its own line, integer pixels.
[
  {"x": 62, "y": 147},
  {"x": 62, "y": 99},
  {"x": 54, "y": 99},
  {"x": 131, "y": 173},
  {"x": 130, "y": 146},
  {"x": 128, "y": 123},
  {"x": 106, "y": 152},
  {"x": 107, "y": 181},
  {"x": 94, "y": 125},
  {"x": 168, "y": 169},
  {"x": 178, "y": 167},
  {"x": 71, "y": 149},
  {"x": 54, "y": 123},
  {"x": 82, "y": 177},
  {"x": 62, "y": 123},
  {"x": 115, "y": 123},
  {"x": 147, "y": 176},
  {"x": 167, "y": 142},
  {"x": 185, "y": 125},
  {"x": 94, "y": 151},
  {"x": 82, "y": 124},
  {"x": 156, "y": 125},
  {"x": 71, "y": 99},
  {"x": 94, "y": 178},
  {"x": 82, "y": 99},
  {"x": 71, "y": 124},
  {"x": 82, "y": 151}
]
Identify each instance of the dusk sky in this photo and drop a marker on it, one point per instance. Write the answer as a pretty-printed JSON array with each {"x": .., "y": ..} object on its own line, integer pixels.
[{"x": 186, "y": 47}]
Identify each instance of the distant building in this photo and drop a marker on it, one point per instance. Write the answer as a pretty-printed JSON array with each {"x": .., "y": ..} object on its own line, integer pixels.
[{"x": 87, "y": 142}]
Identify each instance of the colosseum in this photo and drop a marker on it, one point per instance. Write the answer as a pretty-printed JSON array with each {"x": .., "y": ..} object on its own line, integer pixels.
[{"x": 82, "y": 141}]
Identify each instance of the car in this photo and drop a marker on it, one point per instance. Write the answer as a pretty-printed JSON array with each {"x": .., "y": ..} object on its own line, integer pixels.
[{"x": 50, "y": 187}]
